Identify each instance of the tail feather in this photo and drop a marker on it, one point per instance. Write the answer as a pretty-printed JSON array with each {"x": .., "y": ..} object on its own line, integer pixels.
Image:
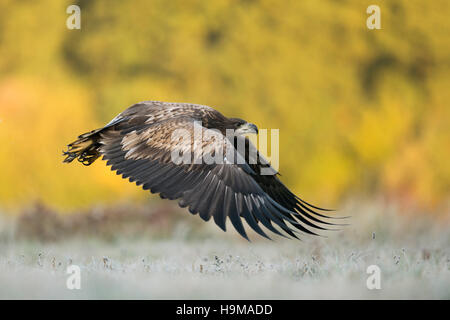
[{"x": 85, "y": 149}]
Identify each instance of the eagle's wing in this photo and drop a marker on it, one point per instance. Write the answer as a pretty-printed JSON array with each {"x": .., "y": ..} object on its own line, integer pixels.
[{"x": 143, "y": 153}]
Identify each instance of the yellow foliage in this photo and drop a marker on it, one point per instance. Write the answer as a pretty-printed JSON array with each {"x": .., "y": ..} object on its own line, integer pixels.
[
  {"x": 34, "y": 130},
  {"x": 360, "y": 112}
]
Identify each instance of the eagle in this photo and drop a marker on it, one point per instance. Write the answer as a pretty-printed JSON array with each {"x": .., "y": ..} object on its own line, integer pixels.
[{"x": 161, "y": 146}]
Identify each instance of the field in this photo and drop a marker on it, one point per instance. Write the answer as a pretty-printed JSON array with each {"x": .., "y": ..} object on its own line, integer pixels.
[{"x": 164, "y": 253}]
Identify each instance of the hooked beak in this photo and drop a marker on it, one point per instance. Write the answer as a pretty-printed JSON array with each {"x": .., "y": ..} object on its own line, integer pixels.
[{"x": 247, "y": 128}]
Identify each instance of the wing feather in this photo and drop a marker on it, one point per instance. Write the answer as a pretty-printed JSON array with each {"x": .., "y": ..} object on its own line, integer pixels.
[{"x": 139, "y": 145}]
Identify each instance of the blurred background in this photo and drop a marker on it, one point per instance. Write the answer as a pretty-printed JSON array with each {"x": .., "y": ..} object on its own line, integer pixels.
[
  {"x": 364, "y": 127},
  {"x": 363, "y": 114}
]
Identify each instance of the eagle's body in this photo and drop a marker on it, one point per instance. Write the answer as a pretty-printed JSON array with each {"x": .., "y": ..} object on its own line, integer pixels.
[{"x": 139, "y": 144}]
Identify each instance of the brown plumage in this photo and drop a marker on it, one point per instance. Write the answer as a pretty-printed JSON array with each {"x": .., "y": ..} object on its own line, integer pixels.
[{"x": 140, "y": 144}]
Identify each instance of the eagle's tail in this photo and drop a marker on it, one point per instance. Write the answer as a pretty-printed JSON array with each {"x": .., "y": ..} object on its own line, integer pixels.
[{"x": 85, "y": 149}]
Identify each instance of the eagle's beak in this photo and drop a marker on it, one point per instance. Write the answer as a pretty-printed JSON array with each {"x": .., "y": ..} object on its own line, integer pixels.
[{"x": 246, "y": 129}]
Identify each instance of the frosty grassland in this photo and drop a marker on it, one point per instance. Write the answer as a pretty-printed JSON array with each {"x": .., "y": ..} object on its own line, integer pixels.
[{"x": 198, "y": 261}]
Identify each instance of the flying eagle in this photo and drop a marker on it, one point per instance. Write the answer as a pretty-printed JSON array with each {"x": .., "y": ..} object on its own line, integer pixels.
[{"x": 140, "y": 144}]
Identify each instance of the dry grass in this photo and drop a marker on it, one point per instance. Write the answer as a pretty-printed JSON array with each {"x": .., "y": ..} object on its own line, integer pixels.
[{"x": 129, "y": 252}]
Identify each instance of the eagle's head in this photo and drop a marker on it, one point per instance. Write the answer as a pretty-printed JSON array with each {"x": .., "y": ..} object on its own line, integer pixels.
[{"x": 242, "y": 127}]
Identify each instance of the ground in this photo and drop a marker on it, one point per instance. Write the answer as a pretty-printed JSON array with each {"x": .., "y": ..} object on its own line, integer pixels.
[{"x": 192, "y": 262}]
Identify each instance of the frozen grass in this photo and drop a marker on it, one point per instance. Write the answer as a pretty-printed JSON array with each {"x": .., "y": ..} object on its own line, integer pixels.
[{"x": 201, "y": 262}]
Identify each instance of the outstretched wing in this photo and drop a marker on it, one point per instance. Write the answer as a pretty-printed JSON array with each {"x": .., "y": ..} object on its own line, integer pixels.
[{"x": 143, "y": 151}]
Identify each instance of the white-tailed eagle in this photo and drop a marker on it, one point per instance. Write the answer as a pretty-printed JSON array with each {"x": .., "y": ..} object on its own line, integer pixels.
[{"x": 140, "y": 144}]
